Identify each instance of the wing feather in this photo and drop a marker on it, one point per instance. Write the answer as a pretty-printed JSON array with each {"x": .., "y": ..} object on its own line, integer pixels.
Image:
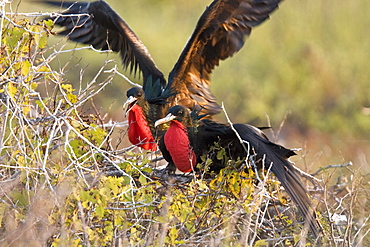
[
  {"x": 220, "y": 33},
  {"x": 97, "y": 24}
]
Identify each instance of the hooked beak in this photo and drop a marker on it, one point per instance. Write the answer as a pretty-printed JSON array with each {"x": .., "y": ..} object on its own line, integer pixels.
[
  {"x": 128, "y": 102},
  {"x": 166, "y": 119}
]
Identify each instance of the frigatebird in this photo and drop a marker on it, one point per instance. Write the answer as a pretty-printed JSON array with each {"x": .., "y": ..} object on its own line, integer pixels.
[
  {"x": 220, "y": 33},
  {"x": 188, "y": 139}
]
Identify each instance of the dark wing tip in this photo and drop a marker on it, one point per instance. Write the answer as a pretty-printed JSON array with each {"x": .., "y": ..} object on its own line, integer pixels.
[{"x": 97, "y": 24}]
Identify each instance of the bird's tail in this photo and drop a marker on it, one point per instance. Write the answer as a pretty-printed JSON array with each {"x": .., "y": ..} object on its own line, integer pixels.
[
  {"x": 290, "y": 180},
  {"x": 283, "y": 170}
]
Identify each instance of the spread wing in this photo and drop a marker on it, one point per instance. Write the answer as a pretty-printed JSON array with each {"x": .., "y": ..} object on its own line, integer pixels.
[
  {"x": 97, "y": 24},
  {"x": 220, "y": 33}
]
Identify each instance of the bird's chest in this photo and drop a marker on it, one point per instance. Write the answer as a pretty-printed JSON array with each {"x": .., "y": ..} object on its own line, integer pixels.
[
  {"x": 178, "y": 145},
  {"x": 139, "y": 132}
]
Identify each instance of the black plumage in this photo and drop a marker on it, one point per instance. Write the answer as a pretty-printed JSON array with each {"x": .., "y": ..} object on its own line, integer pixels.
[{"x": 239, "y": 141}]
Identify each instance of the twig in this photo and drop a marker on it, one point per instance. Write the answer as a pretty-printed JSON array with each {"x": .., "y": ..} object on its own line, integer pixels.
[
  {"x": 331, "y": 166},
  {"x": 113, "y": 124},
  {"x": 123, "y": 76},
  {"x": 307, "y": 175},
  {"x": 247, "y": 150}
]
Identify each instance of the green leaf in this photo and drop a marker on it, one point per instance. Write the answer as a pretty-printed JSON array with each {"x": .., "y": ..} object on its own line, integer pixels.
[
  {"x": 173, "y": 234},
  {"x": 142, "y": 179},
  {"x": 40, "y": 105},
  {"x": 221, "y": 154},
  {"x": 21, "y": 198},
  {"x": 12, "y": 90},
  {"x": 100, "y": 210},
  {"x": 68, "y": 88},
  {"x": 48, "y": 23},
  {"x": 25, "y": 67},
  {"x": 261, "y": 242},
  {"x": 12, "y": 39}
]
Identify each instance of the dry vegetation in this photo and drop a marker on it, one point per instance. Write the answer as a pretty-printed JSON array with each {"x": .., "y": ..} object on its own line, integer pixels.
[{"x": 68, "y": 178}]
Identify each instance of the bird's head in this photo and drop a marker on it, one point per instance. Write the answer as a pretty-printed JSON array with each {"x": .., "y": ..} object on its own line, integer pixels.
[
  {"x": 177, "y": 112},
  {"x": 134, "y": 95}
]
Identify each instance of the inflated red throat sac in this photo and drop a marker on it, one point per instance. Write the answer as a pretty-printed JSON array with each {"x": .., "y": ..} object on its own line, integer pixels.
[
  {"x": 139, "y": 132},
  {"x": 178, "y": 145}
]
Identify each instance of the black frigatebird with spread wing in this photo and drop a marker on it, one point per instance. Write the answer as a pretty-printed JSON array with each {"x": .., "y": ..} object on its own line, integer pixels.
[{"x": 220, "y": 33}]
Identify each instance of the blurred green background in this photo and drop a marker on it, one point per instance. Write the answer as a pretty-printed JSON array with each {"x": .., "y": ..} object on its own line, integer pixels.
[{"x": 310, "y": 60}]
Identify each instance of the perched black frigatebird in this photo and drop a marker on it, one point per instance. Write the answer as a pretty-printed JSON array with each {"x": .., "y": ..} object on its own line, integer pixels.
[
  {"x": 188, "y": 139},
  {"x": 220, "y": 33}
]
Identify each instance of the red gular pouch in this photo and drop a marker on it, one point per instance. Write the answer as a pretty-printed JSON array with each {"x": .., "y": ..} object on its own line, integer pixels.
[
  {"x": 178, "y": 145},
  {"x": 139, "y": 132}
]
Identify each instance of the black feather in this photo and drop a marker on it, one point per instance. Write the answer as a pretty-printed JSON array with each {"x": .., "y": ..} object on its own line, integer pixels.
[{"x": 206, "y": 133}]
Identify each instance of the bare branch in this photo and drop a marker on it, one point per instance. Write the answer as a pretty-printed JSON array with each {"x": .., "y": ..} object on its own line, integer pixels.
[{"x": 331, "y": 166}]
